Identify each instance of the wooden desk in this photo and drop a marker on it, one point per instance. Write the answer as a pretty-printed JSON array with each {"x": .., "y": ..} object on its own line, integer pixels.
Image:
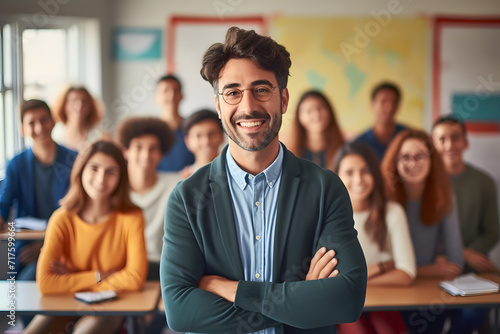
[
  {"x": 24, "y": 235},
  {"x": 134, "y": 305},
  {"x": 425, "y": 292},
  {"x": 426, "y": 296}
]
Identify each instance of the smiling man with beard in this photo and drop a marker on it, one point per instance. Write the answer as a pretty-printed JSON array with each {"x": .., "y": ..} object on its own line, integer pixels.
[{"x": 258, "y": 240}]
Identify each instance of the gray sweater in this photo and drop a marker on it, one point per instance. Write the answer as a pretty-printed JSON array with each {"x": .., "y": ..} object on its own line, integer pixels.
[
  {"x": 477, "y": 209},
  {"x": 440, "y": 238}
]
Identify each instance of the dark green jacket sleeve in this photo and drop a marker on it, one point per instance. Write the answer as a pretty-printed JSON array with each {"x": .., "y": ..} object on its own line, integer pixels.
[{"x": 182, "y": 266}]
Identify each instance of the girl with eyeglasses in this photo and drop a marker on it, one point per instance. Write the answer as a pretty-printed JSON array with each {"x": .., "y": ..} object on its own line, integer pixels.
[
  {"x": 315, "y": 135},
  {"x": 382, "y": 232},
  {"x": 416, "y": 178}
]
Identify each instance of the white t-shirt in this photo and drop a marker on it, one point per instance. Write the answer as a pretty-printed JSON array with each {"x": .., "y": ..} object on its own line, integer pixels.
[
  {"x": 153, "y": 204},
  {"x": 399, "y": 246}
]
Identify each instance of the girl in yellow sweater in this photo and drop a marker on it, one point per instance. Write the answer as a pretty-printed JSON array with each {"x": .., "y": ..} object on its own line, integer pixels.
[{"x": 94, "y": 242}]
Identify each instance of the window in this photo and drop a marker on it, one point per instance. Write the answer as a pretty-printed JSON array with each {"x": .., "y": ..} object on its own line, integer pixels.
[{"x": 44, "y": 47}]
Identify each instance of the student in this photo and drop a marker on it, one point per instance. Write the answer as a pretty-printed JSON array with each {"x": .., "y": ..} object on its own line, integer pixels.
[
  {"x": 94, "y": 242},
  {"x": 35, "y": 180},
  {"x": 416, "y": 178},
  {"x": 239, "y": 232},
  {"x": 77, "y": 115},
  {"x": 382, "y": 232},
  {"x": 316, "y": 135},
  {"x": 204, "y": 136},
  {"x": 145, "y": 141},
  {"x": 475, "y": 192},
  {"x": 385, "y": 101},
  {"x": 476, "y": 197},
  {"x": 168, "y": 97}
]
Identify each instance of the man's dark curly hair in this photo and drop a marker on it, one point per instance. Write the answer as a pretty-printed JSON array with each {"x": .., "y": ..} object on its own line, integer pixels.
[{"x": 246, "y": 44}]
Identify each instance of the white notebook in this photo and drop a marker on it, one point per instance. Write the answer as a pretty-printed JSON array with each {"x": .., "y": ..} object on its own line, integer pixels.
[
  {"x": 469, "y": 285},
  {"x": 30, "y": 223}
]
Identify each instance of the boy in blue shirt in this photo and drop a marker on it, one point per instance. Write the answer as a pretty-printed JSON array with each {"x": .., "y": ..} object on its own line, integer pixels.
[
  {"x": 35, "y": 180},
  {"x": 385, "y": 102},
  {"x": 168, "y": 96}
]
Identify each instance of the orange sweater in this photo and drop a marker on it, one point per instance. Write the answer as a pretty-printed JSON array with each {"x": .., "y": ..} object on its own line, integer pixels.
[{"x": 114, "y": 244}]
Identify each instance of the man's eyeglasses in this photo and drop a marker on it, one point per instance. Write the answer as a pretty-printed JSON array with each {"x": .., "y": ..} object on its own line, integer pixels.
[
  {"x": 234, "y": 95},
  {"x": 417, "y": 158}
]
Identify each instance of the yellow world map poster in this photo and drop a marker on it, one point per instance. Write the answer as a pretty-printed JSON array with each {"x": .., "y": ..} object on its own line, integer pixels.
[{"x": 346, "y": 57}]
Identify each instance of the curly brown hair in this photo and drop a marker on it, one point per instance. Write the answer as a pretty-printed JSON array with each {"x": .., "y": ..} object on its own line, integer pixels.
[
  {"x": 246, "y": 44},
  {"x": 134, "y": 127},
  {"x": 437, "y": 199}
]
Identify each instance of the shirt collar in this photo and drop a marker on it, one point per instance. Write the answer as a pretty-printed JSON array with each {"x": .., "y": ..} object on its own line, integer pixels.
[{"x": 241, "y": 177}]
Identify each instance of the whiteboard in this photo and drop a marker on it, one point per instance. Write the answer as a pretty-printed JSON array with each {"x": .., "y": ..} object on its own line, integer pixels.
[{"x": 467, "y": 63}]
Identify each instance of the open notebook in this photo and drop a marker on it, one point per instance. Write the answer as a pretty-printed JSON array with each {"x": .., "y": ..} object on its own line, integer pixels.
[{"x": 469, "y": 285}]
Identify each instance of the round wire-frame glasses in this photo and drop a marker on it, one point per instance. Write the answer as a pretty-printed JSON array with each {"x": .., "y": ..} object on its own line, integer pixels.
[{"x": 234, "y": 95}]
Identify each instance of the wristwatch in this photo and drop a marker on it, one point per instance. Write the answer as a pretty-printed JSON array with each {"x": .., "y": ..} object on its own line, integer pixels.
[{"x": 98, "y": 277}]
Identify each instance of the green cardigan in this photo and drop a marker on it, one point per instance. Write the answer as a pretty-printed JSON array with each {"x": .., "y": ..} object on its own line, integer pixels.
[{"x": 314, "y": 210}]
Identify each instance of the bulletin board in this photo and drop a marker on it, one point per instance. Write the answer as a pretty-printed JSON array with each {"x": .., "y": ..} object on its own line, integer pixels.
[
  {"x": 466, "y": 71},
  {"x": 188, "y": 39}
]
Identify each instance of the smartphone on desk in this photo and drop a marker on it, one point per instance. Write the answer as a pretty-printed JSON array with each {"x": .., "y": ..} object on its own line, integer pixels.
[{"x": 95, "y": 297}]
